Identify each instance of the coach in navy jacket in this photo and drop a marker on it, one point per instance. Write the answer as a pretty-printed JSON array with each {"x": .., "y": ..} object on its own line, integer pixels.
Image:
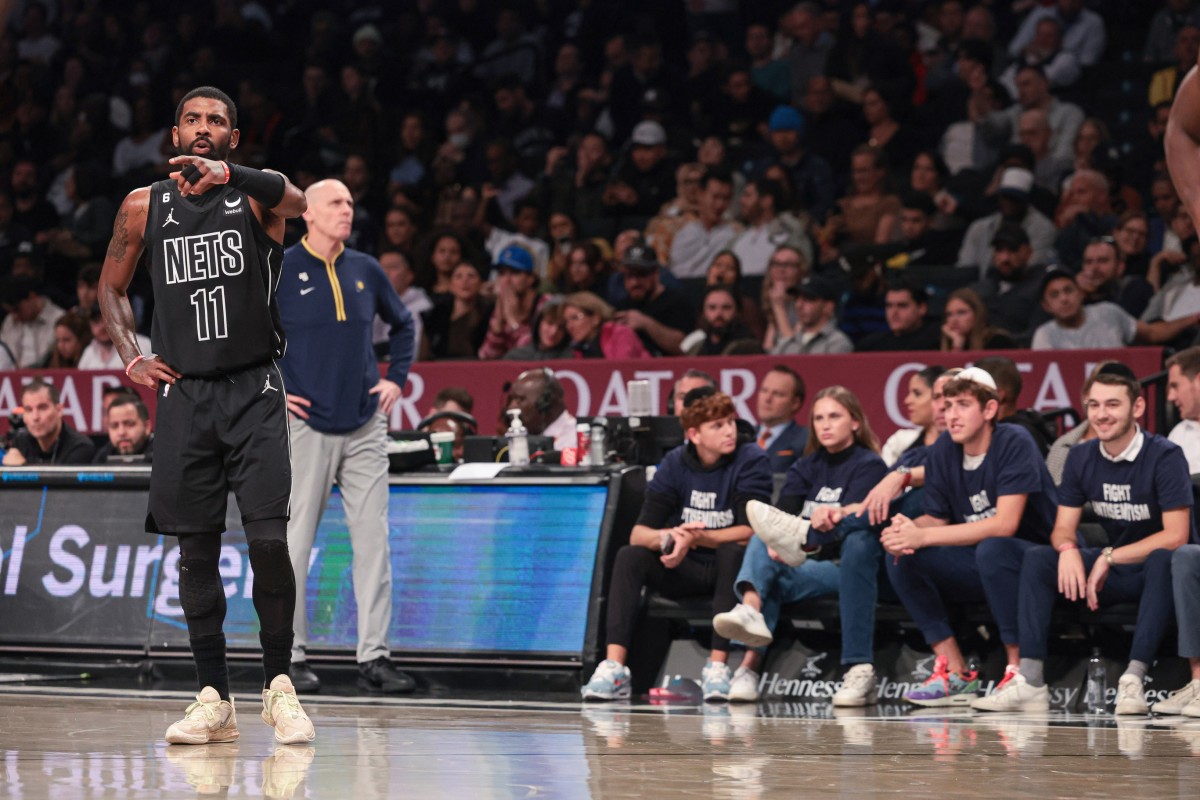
[{"x": 328, "y": 298}]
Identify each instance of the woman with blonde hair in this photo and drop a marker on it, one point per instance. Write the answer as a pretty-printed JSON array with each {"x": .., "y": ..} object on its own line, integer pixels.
[
  {"x": 594, "y": 333},
  {"x": 822, "y": 491},
  {"x": 964, "y": 325}
]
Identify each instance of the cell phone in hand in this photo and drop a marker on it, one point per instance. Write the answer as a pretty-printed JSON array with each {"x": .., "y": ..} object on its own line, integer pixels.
[{"x": 669, "y": 547}]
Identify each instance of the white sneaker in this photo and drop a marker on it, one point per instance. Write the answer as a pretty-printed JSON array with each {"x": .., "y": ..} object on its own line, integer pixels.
[
  {"x": 780, "y": 531},
  {"x": 744, "y": 686},
  {"x": 610, "y": 681},
  {"x": 282, "y": 711},
  {"x": 1131, "y": 696},
  {"x": 209, "y": 719},
  {"x": 1192, "y": 709},
  {"x": 858, "y": 688},
  {"x": 1017, "y": 695},
  {"x": 715, "y": 681},
  {"x": 1178, "y": 700},
  {"x": 744, "y": 624}
]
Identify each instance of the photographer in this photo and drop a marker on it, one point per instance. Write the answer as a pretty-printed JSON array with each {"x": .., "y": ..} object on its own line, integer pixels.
[{"x": 45, "y": 438}]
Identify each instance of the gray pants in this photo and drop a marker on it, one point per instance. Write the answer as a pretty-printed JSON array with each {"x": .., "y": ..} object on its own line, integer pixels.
[{"x": 357, "y": 462}]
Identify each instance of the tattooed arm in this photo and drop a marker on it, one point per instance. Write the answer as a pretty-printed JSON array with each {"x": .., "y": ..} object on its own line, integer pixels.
[{"x": 124, "y": 250}]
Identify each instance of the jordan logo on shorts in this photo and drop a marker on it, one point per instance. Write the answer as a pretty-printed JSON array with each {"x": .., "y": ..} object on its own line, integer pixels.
[
  {"x": 170, "y": 220},
  {"x": 267, "y": 386}
]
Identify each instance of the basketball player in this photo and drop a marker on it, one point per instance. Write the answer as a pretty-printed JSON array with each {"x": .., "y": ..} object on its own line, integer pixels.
[{"x": 213, "y": 232}]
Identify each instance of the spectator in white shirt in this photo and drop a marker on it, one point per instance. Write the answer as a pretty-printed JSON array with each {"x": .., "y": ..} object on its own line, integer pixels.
[
  {"x": 102, "y": 353},
  {"x": 698, "y": 242},
  {"x": 1183, "y": 389},
  {"x": 28, "y": 328}
]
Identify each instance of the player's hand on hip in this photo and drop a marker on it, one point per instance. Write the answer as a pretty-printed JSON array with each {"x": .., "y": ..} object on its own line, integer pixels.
[
  {"x": 389, "y": 393},
  {"x": 152, "y": 371},
  {"x": 197, "y": 175},
  {"x": 296, "y": 405}
]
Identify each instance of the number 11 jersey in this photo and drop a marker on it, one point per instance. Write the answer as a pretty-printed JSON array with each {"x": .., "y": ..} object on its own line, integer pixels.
[{"x": 214, "y": 271}]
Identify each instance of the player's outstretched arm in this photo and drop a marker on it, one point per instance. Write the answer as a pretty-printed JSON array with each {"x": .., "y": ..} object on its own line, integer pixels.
[
  {"x": 1182, "y": 142},
  {"x": 124, "y": 250}
]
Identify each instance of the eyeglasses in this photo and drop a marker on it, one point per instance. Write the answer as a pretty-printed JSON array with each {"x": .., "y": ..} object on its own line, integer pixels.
[{"x": 574, "y": 317}]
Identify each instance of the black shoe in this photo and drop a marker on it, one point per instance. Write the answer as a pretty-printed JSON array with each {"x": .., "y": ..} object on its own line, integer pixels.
[
  {"x": 380, "y": 676},
  {"x": 303, "y": 678}
]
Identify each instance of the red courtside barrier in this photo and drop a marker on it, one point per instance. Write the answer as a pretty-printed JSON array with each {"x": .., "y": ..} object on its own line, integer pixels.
[{"x": 1052, "y": 379}]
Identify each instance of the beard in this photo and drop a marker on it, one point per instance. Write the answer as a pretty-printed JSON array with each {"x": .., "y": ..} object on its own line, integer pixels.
[
  {"x": 216, "y": 152},
  {"x": 717, "y": 329}
]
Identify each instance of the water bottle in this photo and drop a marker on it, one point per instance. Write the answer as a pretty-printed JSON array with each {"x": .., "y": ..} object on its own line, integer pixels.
[
  {"x": 1097, "y": 679},
  {"x": 518, "y": 440}
]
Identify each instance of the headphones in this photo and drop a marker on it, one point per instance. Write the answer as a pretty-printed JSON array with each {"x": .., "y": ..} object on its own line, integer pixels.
[
  {"x": 545, "y": 400},
  {"x": 470, "y": 426}
]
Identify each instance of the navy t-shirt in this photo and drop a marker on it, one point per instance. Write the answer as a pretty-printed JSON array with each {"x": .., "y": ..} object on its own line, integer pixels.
[
  {"x": 1129, "y": 497},
  {"x": 1012, "y": 465},
  {"x": 915, "y": 456},
  {"x": 830, "y": 479},
  {"x": 684, "y": 490}
]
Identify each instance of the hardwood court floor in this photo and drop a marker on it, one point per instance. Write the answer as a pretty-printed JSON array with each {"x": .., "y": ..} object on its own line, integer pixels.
[{"x": 63, "y": 743}]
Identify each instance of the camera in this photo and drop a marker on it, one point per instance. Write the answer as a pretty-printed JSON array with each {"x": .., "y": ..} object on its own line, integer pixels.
[{"x": 16, "y": 423}]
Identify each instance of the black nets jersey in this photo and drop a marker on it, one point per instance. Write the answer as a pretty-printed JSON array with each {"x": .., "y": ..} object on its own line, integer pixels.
[{"x": 214, "y": 271}]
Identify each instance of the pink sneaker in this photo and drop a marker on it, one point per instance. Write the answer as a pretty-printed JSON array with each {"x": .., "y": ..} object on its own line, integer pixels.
[
  {"x": 282, "y": 711},
  {"x": 209, "y": 719}
]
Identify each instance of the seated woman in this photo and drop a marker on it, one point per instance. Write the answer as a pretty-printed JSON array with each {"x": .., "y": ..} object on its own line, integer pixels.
[
  {"x": 919, "y": 404},
  {"x": 689, "y": 538},
  {"x": 824, "y": 488},
  {"x": 549, "y": 336},
  {"x": 965, "y": 326},
  {"x": 457, "y": 324},
  {"x": 594, "y": 334},
  {"x": 726, "y": 270}
]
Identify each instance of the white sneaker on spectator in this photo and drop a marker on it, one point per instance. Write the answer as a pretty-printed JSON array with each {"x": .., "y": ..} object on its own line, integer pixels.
[
  {"x": 858, "y": 688},
  {"x": 744, "y": 624},
  {"x": 1131, "y": 696},
  {"x": 744, "y": 686},
  {"x": 782, "y": 532},
  {"x": 1178, "y": 700},
  {"x": 1017, "y": 695}
]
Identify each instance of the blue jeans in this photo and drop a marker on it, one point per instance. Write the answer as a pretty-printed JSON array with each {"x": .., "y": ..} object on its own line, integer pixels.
[
  {"x": 1185, "y": 580},
  {"x": 855, "y": 582},
  {"x": 1148, "y": 584},
  {"x": 934, "y": 576}
]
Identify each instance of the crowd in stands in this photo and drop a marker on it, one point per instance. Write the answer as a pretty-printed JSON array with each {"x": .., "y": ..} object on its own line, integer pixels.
[{"x": 624, "y": 180}]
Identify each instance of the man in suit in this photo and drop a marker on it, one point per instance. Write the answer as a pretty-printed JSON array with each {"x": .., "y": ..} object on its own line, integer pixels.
[{"x": 780, "y": 398}]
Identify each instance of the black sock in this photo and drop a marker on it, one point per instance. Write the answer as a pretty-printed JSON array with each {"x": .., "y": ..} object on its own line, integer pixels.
[
  {"x": 274, "y": 594},
  {"x": 211, "y": 667}
]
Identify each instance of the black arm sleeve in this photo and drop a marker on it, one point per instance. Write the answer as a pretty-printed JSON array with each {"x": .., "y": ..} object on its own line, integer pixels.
[
  {"x": 265, "y": 187},
  {"x": 656, "y": 510}
]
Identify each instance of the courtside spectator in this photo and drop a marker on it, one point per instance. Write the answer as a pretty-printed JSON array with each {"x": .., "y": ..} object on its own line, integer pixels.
[
  {"x": 1138, "y": 487},
  {"x": 919, "y": 407},
  {"x": 821, "y": 494},
  {"x": 985, "y": 486},
  {"x": 130, "y": 432},
  {"x": 779, "y": 399},
  {"x": 46, "y": 437},
  {"x": 688, "y": 539},
  {"x": 1183, "y": 389}
]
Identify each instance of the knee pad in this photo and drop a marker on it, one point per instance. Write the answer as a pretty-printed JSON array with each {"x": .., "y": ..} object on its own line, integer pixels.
[
  {"x": 272, "y": 566},
  {"x": 200, "y": 592}
]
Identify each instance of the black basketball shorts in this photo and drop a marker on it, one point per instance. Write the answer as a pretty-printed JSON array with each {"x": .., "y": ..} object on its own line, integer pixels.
[{"x": 213, "y": 435}]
